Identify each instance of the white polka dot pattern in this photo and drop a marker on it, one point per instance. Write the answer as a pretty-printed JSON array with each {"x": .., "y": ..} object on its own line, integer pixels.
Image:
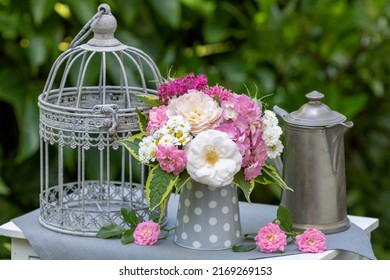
[{"x": 208, "y": 218}]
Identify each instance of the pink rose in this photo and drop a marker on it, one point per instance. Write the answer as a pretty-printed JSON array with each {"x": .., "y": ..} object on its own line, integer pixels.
[
  {"x": 171, "y": 159},
  {"x": 146, "y": 233},
  {"x": 271, "y": 238},
  {"x": 311, "y": 240},
  {"x": 157, "y": 118}
]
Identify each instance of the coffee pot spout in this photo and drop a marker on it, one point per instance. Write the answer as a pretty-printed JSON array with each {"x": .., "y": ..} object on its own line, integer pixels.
[{"x": 280, "y": 112}]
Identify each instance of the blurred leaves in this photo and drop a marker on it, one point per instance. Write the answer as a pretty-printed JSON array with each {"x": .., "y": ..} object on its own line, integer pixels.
[
  {"x": 170, "y": 11},
  {"x": 287, "y": 48},
  {"x": 4, "y": 189}
]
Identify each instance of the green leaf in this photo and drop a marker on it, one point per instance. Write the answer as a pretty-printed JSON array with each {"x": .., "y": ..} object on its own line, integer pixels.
[
  {"x": 163, "y": 207},
  {"x": 142, "y": 121},
  {"x": 41, "y": 9},
  {"x": 127, "y": 236},
  {"x": 150, "y": 99},
  {"x": 170, "y": 11},
  {"x": 38, "y": 51},
  {"x": 244, "y": 248},
  {"x": 250, "y": 236},
  {"x": 285, "y": 218},
  {"x": 244, "y": 185},
  {"x": 84, "y": 10},
  {"x": 273, "y": 174},
  {"x": 130, "y": 216},
  {"x": 184, "y": 177},
  {"x": 154, "y": 216},
  {"x": 132, "y": 144},
  {"x": 4, "y": 189},
  {"x": 159, "y": 186},
  {"x": 111, "y": 230},
  {"x": 29, "y": 135}
]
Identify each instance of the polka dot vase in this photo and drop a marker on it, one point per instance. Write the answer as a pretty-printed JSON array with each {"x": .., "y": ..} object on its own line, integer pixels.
[{"x": 208, "y": 218}]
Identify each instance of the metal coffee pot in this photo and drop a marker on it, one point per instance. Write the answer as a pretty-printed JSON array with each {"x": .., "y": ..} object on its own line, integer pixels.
[{"x": 314, "y": 166}]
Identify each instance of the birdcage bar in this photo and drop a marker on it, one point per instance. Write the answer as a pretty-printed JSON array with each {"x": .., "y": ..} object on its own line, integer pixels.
[{"x": 60, "y": 175}]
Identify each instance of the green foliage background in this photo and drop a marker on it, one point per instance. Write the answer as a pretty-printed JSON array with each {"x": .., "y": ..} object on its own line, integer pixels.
[{"x": 288, "y": 48}]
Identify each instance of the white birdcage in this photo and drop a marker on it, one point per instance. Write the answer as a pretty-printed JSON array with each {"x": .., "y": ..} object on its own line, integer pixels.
[{"x": 88, "y": 103}]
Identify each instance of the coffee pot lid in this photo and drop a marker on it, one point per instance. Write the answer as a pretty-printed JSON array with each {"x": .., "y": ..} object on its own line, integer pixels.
[{"x": 314, "y": 113}]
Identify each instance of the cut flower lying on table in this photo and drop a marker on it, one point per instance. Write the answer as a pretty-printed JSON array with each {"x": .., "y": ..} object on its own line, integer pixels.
[
  {"x": 273, "y": 237},
  {"x": 205, "y": 133}
]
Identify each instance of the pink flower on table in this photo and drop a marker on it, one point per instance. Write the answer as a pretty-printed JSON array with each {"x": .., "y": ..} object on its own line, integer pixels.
[
  {"x": 171, "y": 159},
  {"x": 146, "y": 233},
  {"x": 271, "y": 238},
  {"x": 157, "y": 118},
  {"x": 311, "y": 241}
]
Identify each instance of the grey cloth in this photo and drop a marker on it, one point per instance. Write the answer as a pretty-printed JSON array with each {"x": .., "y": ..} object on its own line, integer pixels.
[{"x": 53, "y": 245}]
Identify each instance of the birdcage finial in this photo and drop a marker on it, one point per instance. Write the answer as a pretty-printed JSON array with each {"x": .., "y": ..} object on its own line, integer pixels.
[{"x": 103, "y": 28}]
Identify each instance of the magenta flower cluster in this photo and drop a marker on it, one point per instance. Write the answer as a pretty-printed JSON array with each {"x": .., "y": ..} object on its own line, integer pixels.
[
  {"x": 271, "y": 238},
  {"x": 180, "y": 86}
]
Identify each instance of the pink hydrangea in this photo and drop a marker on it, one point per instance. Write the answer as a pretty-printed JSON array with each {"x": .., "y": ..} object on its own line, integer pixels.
[
  {"x": 311, "y": 241},
  {"x": 180, "y": 86},
  {"x": 242, "y": 120},
  {"x": 157, "y": 118},
  {"x": 146, "y": 233},
  {"x": 271, "y": 238},
  {"x": 171, "y": 159},
  {"x": 254, "y": 162}
]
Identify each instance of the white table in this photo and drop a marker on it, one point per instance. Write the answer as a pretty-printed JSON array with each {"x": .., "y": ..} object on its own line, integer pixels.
[{"x": 22, "y": 250}]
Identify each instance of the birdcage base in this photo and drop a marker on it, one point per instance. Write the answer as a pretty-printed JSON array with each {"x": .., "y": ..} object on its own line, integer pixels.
[{"x": 82, "y": 209}]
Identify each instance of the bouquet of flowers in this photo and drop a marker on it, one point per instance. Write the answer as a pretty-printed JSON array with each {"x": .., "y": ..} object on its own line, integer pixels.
[{"x": 205, "y": 133}]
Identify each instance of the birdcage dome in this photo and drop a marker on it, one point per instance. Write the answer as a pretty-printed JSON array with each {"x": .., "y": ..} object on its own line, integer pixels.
[{"x": 88, "y": 103}]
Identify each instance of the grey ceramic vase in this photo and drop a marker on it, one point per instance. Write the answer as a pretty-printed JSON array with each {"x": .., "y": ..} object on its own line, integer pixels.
[{"x": 208, "y": 218}]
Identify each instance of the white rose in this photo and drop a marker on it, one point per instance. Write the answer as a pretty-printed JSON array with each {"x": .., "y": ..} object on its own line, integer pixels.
[
  {"x": 200, "y": 110},
  {"x": 213, "y": 158}
]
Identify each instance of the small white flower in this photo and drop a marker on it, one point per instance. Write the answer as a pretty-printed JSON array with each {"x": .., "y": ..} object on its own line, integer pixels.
[
  {"x": 182, "y": 138},
  {"x": 213, "y": 158},
  {"x": 271, "y": 135},
  {"x": 270, "y": 118},
  {"x": 147, "y": 150},
  {"x": 176, "y": 121},
  {"x": 175, "y": 132},
  {"x": 167, "y": 140},
  {"x": 275, "y": 150}
]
